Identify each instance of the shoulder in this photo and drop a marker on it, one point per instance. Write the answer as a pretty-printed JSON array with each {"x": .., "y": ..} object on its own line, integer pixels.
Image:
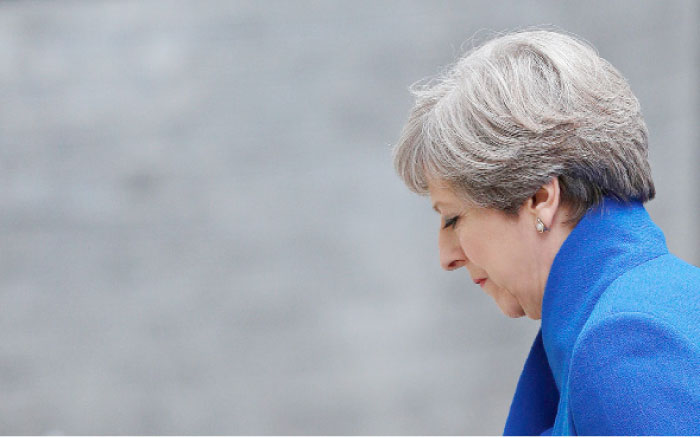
[
  {"x": 633, "y": 372},
  {"x": 635, "y": 365},
  {"x": 666, "y": 289}
]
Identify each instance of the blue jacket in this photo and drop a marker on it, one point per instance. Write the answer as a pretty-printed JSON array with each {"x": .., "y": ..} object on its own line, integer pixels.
[{"x": 618, "y": 352}]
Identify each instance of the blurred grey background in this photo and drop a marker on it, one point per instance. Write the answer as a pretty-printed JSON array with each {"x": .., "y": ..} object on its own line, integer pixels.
[{"x": 201, "y": 231}]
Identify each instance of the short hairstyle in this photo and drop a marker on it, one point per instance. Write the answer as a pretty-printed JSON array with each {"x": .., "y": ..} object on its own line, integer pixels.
[{"x": 519, "y": 110}]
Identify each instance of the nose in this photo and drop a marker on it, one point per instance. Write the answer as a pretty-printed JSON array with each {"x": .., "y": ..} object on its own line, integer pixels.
[{"x": 451, "y": 254}]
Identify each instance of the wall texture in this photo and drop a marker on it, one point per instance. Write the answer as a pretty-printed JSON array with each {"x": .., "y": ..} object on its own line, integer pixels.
[{"x": 201, "y": 231}]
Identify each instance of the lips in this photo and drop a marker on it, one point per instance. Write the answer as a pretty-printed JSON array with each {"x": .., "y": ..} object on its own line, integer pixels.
[{"x": 480, "y": 281}]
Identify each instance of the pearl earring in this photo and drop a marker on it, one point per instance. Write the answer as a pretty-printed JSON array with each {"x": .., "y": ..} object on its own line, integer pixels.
[{"x": 541, "y": 228}]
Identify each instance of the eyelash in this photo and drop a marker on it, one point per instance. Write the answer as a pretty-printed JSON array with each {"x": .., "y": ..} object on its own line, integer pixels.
[{"x": 451, "y": 222}]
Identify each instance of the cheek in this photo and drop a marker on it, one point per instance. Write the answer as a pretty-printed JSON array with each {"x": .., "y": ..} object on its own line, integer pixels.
[
  {"x": 506, "y": 260},
  {"x": 484, "y": 237},
  {"x": 497, "y": 246},
  {"x": 476, "y": 248}
]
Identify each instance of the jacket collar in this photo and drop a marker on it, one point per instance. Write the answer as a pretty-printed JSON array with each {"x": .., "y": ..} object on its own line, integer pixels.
[{"x": 608, "y": 241}]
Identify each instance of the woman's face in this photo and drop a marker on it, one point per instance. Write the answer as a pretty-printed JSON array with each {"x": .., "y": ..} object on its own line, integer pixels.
[{"x": 499, "y": 251}]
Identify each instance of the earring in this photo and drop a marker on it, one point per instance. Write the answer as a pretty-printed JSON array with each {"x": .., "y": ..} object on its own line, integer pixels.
[{"x": 541, "y": 228}]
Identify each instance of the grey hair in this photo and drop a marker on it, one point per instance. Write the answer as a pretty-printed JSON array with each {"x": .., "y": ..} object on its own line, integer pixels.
[{"x": 519, "y": 110}]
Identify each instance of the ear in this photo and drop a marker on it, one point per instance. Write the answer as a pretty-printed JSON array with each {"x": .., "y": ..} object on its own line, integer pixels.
[{"x": 545, "y": 203}]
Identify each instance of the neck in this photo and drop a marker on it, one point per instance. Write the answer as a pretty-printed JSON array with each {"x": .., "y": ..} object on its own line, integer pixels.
[{"x": 553, "y": 240}]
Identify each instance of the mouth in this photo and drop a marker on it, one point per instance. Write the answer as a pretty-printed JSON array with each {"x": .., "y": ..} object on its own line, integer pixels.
[{"x": 480, "y": 281}]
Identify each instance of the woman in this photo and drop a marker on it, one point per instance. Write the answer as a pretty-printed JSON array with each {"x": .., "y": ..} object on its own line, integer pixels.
[{"x": 533, "y": 151}]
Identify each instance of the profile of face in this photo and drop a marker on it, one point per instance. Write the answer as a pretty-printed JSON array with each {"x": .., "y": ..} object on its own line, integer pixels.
[{"x": 504, "y": 254}]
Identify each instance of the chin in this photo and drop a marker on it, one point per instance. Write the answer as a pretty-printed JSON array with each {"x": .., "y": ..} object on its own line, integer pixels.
[{"x": 514, "y": 313}]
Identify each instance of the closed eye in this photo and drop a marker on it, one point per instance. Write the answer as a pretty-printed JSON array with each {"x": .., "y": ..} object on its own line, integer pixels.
[{"x": 451, "y": 222}]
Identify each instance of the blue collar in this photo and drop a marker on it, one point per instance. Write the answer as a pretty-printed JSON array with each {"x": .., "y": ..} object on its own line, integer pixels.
[{"x": 608, "y": 241}]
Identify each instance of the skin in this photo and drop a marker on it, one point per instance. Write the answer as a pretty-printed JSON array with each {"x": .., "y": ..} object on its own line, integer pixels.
[{"x": 505, "y": 250}]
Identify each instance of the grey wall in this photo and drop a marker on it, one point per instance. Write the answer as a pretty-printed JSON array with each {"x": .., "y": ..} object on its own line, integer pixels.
[{"x": 201, "y": 231}]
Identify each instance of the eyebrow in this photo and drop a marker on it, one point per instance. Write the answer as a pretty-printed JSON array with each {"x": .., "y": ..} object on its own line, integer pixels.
[{"x": 435, "y": 206}]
